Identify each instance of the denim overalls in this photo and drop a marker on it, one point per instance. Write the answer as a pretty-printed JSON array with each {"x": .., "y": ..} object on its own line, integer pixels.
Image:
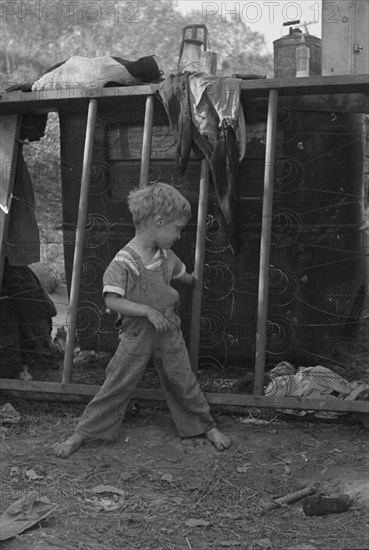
[{"x": 138, "y": 341}]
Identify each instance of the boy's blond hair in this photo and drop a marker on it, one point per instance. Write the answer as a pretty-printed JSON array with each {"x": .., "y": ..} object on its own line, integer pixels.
[{"x": 158, "y": 198}]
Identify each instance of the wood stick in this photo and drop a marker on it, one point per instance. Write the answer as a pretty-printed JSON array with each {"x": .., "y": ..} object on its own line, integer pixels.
[
  {"x": 289, "y": 498},
  {"x": 80, "y": 237},
  {"x": 63, "y": 391},
  {"x": 9, "y": 133},
  {"x": 147, "y": 142},
  {"x": 265, "y": 241},
  {"x": 199, "y": 258},
  {"x": 199, "y": 266}
]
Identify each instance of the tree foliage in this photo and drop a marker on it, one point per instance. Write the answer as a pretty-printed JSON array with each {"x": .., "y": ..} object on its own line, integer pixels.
[{"x": 37, "y": 34}]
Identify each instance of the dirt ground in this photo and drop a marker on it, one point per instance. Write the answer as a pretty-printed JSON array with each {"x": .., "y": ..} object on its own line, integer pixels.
[{"x": 183, "y": 494}]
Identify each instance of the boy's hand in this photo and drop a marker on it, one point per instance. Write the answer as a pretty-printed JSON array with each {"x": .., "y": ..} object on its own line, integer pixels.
[
  {"x": 158, "y": 320},
  {"x": 187, "y": 278}
]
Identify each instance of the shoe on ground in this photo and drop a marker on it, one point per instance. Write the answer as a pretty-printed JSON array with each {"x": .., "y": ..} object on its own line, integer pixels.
[{"x": 321, "y": 505}]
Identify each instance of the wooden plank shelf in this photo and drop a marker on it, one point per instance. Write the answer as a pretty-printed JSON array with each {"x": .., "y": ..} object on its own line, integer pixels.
[
  {"x": 311, "y": 85},
  {"x": 53, "y": 100}
]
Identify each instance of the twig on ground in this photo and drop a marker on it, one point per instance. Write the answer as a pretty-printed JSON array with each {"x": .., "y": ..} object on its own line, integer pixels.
[
  {"x": 11, "y": 450},
  {"x": 207, "y": 493}
]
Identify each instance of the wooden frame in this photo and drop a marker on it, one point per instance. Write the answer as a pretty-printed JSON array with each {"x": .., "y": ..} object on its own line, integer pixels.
[{"x": 338, "y": 88}]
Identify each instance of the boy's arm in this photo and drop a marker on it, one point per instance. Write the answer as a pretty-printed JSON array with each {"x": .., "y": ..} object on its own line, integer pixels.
[
  {"x": 186, "y": 278},
  {"x": 121, "y": 305},
  {"x": 115, "y": 302},
  {"x": 179, "y": 272}
]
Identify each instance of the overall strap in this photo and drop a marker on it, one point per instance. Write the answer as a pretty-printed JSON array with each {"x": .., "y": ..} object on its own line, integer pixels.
[
  {"x": 164, "y": 260},
  {"x": 140, "y": 265}
]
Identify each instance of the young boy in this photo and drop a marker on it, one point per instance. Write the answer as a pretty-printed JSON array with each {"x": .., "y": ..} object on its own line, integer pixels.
[{"x": 136, "y": 286}]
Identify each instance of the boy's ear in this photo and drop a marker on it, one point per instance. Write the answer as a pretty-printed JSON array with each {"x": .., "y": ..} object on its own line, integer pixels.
[{"x": 158, "y": 220}]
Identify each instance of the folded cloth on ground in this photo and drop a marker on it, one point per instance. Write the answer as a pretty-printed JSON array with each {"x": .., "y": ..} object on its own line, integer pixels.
[
  {"x": 22, "y": 514},
  {"x": 313, "y": 383}
]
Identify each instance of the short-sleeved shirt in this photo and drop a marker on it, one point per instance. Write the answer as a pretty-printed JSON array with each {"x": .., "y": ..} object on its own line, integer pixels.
[{"x": 124, "y": 266}]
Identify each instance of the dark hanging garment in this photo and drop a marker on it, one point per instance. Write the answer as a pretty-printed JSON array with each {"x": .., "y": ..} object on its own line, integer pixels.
[
  {"x": 22, "y": 246},
  {"x": 225, "y": 172},
  {"x": 174, "y": 94}
]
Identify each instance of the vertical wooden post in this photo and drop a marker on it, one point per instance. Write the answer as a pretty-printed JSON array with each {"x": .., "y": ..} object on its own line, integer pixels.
[
  {"x": 147, "y": 141},
  {"x": 9, "y": 134},
  {"x": 80, "y": 236},
  {"x": 266, "y": 231},
  {"x": 211, "y": 68},
  {"x": 345, "y": 37},
  {"x": 199, "y": 266}
]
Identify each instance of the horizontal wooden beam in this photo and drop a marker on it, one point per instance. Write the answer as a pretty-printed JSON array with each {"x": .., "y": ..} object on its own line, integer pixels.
[
  {"x": 52, "y": 100},
  {"x": 311, "y": 85},
  {"x": 332, "y": 103},
  {"x": 224, "y": 399}
]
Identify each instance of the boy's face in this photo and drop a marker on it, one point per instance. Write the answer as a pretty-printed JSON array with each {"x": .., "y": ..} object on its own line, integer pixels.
[{"x": 169, "y": 233}]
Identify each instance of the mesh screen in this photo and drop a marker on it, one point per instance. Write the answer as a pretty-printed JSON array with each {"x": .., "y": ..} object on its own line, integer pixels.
[{"x": 318, "y": 262}]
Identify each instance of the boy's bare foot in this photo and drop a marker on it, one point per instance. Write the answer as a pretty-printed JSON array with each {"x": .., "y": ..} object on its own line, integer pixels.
[
  {"x": 220, "y": 440},
  {"x": 67, "y": 447}
]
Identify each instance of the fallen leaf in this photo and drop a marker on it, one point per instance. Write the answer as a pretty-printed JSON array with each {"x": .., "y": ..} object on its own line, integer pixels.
[
  {"x": 166, "y": 530},
  {"x": 166, "y": 452},
  {"x": 232, "y": 515},
  {"x": 158, "y": 501},
  {"x": 25, "y": 375},
  {"x": 109, "y": 505},
  {"x": 244, "y": 468},
  {"x": 31, "y": 474},
  {"x": 267, "y": 503},
  {"x": 9, "y": 415},
  {"x": 167, "y": 477},
  {"x": 14, "y": 471},
  {"x": 106, "y": 504},
  {"x": 129, "y": 517},
  {"x": 197, "y": 522},
  {"x": 287, "y": 469},
  {"x": 303, "y": 546},
  {"x": 264, "y": 543},
  {"x": 99, "y": 489},
  {"x": 125, "y": 476}
]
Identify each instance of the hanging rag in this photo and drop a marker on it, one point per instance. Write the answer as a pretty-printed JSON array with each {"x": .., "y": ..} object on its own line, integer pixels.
[
  {"x": 205, "y": 119},
  {"x": 215, "y": 100},
  {"x": 22, "y": 244}
]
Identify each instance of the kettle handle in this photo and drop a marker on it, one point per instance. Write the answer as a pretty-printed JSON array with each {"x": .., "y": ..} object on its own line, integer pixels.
[{"x": 194, "y": 36}]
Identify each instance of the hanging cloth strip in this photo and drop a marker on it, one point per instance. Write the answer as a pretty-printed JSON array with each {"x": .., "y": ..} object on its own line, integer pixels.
[{"x": 205, "y": 119}]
